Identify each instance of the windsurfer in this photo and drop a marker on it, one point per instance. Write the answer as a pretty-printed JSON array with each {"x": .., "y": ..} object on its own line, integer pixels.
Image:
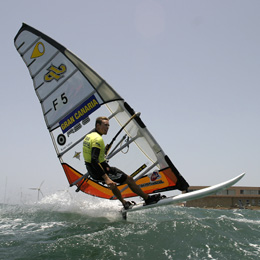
[{"x": 94, "y": 155}]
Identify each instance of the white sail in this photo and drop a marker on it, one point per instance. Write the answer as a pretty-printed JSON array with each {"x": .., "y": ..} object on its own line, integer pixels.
[{"x": 72, "y": 96}]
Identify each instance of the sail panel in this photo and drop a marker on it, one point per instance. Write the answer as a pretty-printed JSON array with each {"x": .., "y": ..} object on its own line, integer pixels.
[
  {"x": 70, "y": 94},
  {"x": 105, "y": 91},
  {"x": 33, "y": 52},
  {"x": 58, "y": 70},
  {"x": 156, "y": 181}
]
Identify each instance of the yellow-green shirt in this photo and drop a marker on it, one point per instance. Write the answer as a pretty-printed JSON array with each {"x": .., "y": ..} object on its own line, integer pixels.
[{"x": 92, "y": 140}]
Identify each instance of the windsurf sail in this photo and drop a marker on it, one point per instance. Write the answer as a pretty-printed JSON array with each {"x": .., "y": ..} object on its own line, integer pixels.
[{"x": 72, "y": 96}]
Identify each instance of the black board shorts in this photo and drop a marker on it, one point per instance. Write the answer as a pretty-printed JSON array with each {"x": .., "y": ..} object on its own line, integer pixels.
[{"x": 114, "y": 174}]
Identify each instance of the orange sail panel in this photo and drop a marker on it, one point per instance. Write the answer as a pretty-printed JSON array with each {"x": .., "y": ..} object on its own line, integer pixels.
[{"x": 154, "y": 182}]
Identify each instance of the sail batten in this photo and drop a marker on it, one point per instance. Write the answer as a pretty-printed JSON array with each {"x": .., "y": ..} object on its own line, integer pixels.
[
  {"x": 51, "y": 92},
  {"x": 72, "y": 95},
  {"x": 29, "y": 47}
]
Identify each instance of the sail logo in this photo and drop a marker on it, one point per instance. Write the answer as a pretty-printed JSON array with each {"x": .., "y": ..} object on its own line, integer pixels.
[
  {"x": 61, "y": 139},
  {"x": 38, "y": 50},
  {"x": 80, "y": 113},
  {"x": 155, "y": 176},
  {"x": 55, "y": 73},
  {"x": 77, "y": 155}
]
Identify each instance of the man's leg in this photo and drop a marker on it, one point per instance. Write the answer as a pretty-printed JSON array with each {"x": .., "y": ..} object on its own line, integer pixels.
[
  {"x": 135, "y": 188},
  {"x": 118, "y": 194}
]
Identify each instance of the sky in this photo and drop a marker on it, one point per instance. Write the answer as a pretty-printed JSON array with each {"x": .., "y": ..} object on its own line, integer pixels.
[{"x": 190, "y": 67}]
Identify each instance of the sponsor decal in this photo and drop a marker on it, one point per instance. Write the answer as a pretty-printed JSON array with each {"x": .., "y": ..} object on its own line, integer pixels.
[
  {"x": 61, "y": 139},
  {"x": 151, "y": 184},
  {"x": 154, "y": 176},
  {"x": 78, "y": 126},
  {"x": 138, "y": 170},
  {"x": 80, "y": 113}
]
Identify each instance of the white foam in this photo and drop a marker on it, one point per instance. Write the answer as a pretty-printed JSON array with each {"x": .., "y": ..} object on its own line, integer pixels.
[{"x": 65, "y": 202}]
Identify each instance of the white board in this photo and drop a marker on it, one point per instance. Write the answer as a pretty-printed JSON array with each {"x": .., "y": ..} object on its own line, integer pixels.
[{"x": 186, "y": 196}]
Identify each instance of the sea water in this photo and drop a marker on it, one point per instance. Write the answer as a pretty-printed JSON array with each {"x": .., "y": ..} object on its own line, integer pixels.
[{"x": 62, "y": 227}]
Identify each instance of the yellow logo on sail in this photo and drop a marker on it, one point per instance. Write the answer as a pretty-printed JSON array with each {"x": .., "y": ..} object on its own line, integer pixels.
[
  {"x": 77, "y": 155},
  {"x": 38, "y": 50},
  {"x": 55, "y": 73}
]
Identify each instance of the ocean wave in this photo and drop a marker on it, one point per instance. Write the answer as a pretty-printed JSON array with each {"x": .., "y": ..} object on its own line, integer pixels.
[{"x": 65, "y": 226}]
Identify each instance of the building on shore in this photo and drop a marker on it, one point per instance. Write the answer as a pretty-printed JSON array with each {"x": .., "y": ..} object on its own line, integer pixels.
[{"x": 233, "y": 197}]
